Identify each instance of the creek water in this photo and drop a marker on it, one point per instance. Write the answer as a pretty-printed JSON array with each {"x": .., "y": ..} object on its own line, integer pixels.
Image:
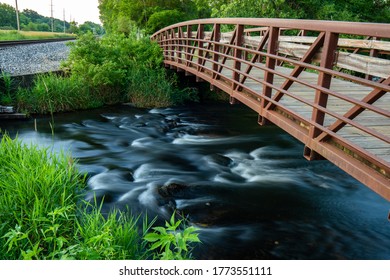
[{"x": 247, "y": 188}]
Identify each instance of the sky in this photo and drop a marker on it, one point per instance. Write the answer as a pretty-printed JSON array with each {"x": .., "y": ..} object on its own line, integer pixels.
[{"x": 78, "y": 10}]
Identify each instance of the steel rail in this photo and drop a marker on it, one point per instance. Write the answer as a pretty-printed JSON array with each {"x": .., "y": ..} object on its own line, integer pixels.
[
  {"x": 35, "y": 41},
  {"x": 188, "y": 47}
]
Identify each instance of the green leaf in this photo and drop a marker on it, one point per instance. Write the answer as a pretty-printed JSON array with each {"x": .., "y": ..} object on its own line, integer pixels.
[
  {"x": 161, "y": 230},
  {"x": 152, "y": 237}
]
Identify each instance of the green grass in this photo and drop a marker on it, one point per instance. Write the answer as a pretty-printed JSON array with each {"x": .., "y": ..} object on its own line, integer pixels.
[
  {"x": 13, "y": 35},
  {"x": 53, "y": 93},
  {"x": 43, "y": 215},
  {"x": 151, "y": 88}
]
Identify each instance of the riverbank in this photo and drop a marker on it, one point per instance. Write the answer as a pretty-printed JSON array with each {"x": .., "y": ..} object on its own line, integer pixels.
[{"x": 101, "y": 71}]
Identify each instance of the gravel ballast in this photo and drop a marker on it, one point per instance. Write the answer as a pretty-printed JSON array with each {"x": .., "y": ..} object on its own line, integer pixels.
[{"x": 33, "y": 59}]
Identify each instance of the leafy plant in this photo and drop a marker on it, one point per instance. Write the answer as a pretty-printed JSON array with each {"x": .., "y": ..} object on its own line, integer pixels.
[
  {"x": 171, "y": 242},
  {"x": 6, "y": 93}
]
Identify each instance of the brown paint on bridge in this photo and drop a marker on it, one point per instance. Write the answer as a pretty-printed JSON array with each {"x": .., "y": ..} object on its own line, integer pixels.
[{"x": 326, "y": 83}]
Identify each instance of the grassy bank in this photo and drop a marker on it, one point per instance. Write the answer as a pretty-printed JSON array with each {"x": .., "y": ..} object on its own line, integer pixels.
[
  {"x": 12, "y": 35},
  {"x": 43, "y": 215},
  {"x": 103, "y": 71}
]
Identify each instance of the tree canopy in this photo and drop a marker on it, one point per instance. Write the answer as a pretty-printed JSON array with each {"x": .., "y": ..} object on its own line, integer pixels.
[
  {"x": 124, "y": 15},
  {"x": 32, "y": 21}
]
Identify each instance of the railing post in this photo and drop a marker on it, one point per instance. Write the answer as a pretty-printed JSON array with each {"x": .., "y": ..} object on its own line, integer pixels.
[
  {"x": 238, "y": 54},
  {"x": 217, "y": 38},
  {"x": 328, "y": 59},
  {"x": 270, "y": 64},
  {"x": 188, "y": 44},
  {"x": 200, "y": 37},
  {"x": 179, "y": 43},
  {"x": 166, "y": 48},
  {"x": 171, "y": 42}
]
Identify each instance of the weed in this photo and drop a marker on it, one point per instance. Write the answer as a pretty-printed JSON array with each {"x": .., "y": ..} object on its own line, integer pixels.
[{"x": 172, "y": 242}]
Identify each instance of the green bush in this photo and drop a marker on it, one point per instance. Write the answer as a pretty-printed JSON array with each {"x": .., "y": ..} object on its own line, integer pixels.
[{"x": 128, "y": 66}]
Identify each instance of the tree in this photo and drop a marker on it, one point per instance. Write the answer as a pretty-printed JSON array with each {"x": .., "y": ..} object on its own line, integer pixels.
[
  {"x": 7, "y": 16},
  {"x": 119, "y": 16},
  {"x": 162, "y": 19}
]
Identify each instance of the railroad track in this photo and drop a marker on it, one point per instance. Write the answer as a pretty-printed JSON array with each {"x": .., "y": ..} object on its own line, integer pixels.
[{"x": 26, "y": 42}]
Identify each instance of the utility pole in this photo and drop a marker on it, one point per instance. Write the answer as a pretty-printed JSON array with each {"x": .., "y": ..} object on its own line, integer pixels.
[
  {"x": 52, "y": 18},
  {"x": 64, "y": 21},
  {"x": 17, "y": 15}
]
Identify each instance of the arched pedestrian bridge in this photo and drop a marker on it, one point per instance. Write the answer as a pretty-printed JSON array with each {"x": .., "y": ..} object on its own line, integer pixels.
[{"x": 326, "y": 83}]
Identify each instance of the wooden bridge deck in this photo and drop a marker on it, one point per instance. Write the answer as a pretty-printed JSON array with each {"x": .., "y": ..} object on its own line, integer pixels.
[
  {"x": 368, "y": 119},
  {"x": 337, "y": 115}
]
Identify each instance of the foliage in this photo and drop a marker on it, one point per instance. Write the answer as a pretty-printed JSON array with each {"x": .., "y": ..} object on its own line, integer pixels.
[
  {"x": 43, "y": 217},
  {"x": 130, "y": 68},
  {"x": 6, "y": 85},
  {"x": 115, "y": 237},
  {"x": 7, "y": 16},
  {"x": 32, "y": 21},
  {"x": 164, "y": 18},
  {"x": 37, "y": 201},
  {"x": 139, "y": 13},
  {"x": 360, "y": 10},
  {"x": 171, "y": 242},
  {"x": 150, "y": 89},
  {"x": 52, "y": 93}
]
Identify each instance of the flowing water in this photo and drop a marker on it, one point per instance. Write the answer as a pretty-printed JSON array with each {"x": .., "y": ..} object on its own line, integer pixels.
[{"x": 247, "y": 188}]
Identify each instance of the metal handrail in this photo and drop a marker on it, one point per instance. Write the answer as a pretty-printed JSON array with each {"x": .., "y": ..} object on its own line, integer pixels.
[{"x": 187, "y": 46}]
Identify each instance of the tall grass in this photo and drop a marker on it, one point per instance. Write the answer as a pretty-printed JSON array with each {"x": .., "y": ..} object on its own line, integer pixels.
[
  {"x": 37, "y": 201},
  {"x": 41, "y": 216},
  {"x": 11, "y": 35},
  {"x": 150, "y": 88},
  {"x": 53, "y": 93}
]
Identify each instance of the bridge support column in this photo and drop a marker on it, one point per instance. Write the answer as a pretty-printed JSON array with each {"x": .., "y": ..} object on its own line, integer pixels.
[
  {"x": 263, "y": 121},
  {"x": 310, "y": 154}
]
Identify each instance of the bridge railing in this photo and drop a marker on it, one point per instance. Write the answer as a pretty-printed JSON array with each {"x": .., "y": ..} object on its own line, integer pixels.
[{"x": 323, "y": 82}]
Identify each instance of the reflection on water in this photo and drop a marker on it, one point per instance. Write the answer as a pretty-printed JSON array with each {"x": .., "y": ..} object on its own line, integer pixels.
[{"x": 246, "y": 187}]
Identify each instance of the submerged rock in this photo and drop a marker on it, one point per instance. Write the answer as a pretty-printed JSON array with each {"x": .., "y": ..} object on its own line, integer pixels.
[{"x": 173, "y": 190}]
